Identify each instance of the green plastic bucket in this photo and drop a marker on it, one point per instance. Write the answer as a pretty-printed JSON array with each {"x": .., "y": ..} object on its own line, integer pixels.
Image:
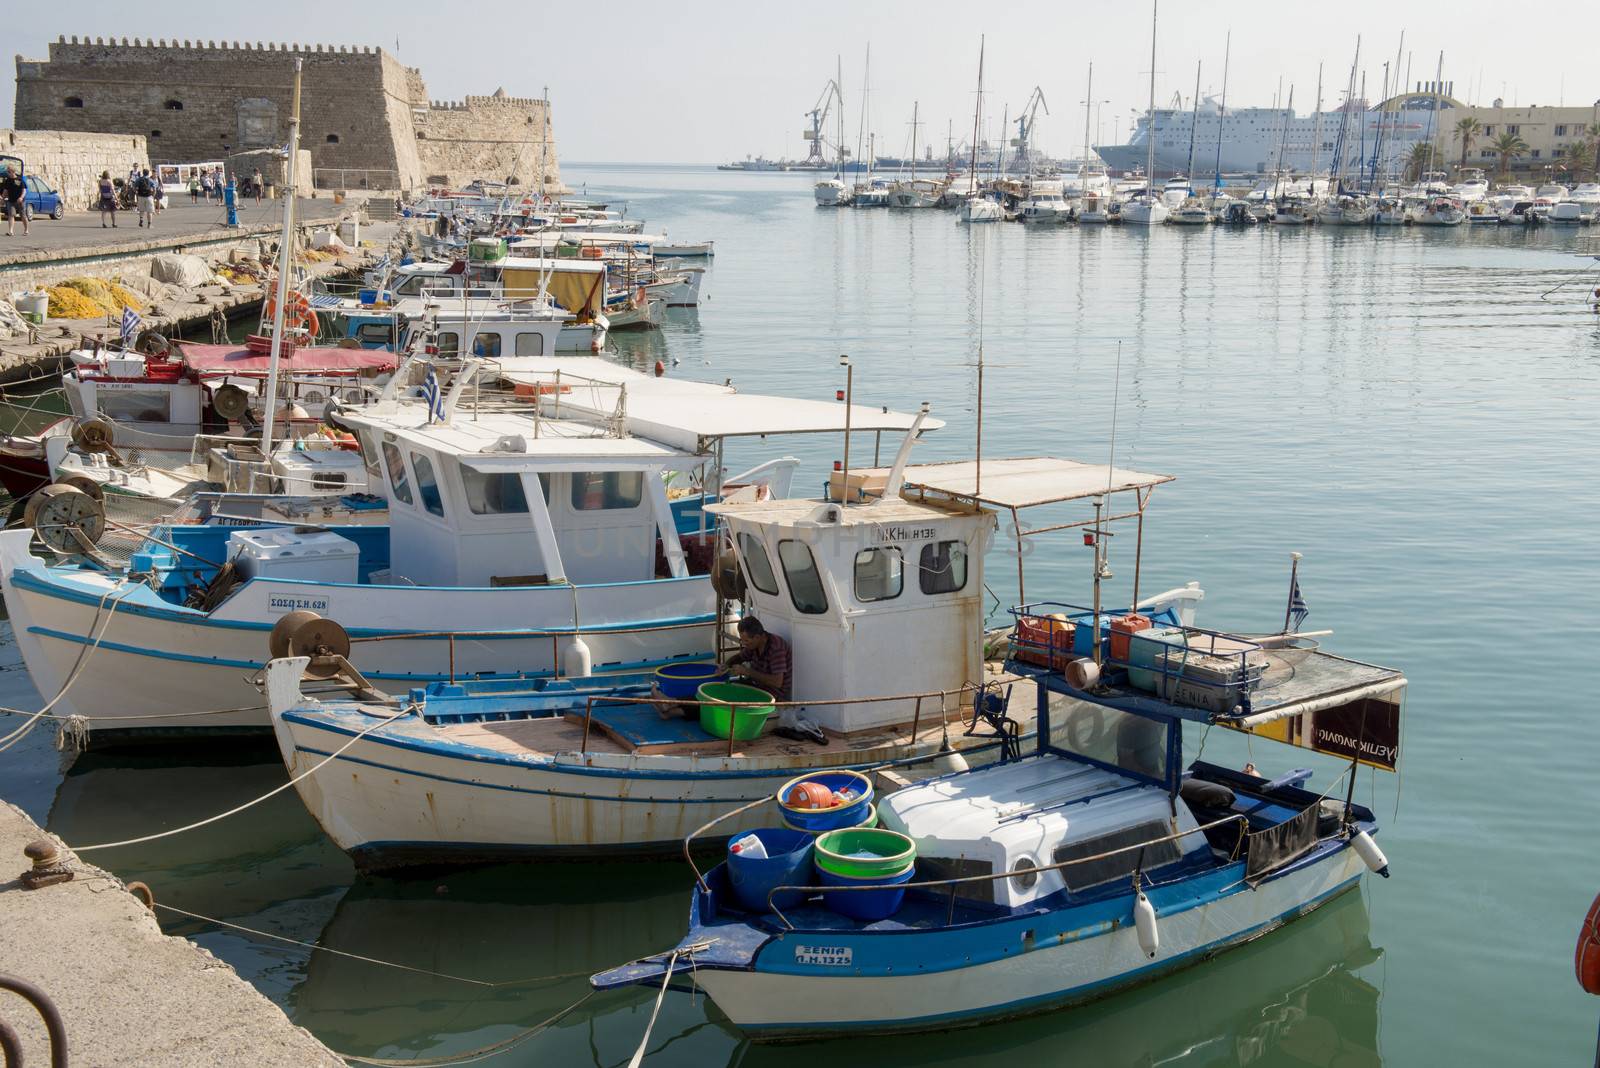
[
  {"x": 891, "y": 852},
  {"x": 717, "y": 714}
]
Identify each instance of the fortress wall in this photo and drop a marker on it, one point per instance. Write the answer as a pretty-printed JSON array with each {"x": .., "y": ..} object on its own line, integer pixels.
[
  {"x": 72, "y": 162},
  {"x": 492, "y": 137}
]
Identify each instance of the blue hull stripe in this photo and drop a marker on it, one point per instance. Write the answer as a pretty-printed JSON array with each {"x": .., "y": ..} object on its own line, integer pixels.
[
  {"x": 487, "y": 756},
  {"x": 1062, "y": 997}
]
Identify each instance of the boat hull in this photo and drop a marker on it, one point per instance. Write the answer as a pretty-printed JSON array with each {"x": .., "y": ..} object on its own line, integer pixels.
[{"x": 782, "y": 999}]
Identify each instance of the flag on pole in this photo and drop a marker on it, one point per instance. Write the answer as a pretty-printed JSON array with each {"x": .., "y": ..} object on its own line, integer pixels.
[
  {"x": 130, "y": 324},
  {"x": 430, "y": 394},
  {"x": 1297, "y": 605}
]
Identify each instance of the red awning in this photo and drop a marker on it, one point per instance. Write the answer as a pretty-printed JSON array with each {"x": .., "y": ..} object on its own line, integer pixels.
[{"x": 216, "y": 360}]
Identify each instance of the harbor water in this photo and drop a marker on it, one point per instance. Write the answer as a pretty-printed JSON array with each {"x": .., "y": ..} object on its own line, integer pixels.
[{"x": 1411, "y": 409}]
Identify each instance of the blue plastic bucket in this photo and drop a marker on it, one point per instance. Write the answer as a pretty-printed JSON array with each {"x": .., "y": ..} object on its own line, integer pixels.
[
  {"x": 866, "y": 904},
  {"x": 680, "y": 682},
  {"x": 788, "y": 863},
  {"x": 817, "y": 820}
]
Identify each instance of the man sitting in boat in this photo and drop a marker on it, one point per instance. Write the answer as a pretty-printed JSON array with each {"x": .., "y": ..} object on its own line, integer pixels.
[{"x": 763, "y": 660}]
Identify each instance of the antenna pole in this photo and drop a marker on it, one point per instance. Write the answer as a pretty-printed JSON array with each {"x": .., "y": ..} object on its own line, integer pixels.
[
  {"x": 849, "y": 402},
  {"x": 285, "y": 259}
]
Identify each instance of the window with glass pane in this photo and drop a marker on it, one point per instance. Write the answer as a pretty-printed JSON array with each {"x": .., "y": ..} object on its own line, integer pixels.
[
  {"x": 757, "y": 568},
  {"x": 604, "y": 490},
  {"x": 880, "y": 574},
  {"x": 493, "y": 493},
  {"x": 1121, "y": 739},
  {"x": 805, "y": 585},
  {"x": 135, "y": 405},
  {"x": 486, "y": 344},
  {"x": 530, "y": 344},
  {"x": 449, "y": 342},
  {"x": 943, "y": 567},
  {"x": 427, "y": 485},
  {"x": 397, "y": 472},
  {"x": 374, "y": 333}
]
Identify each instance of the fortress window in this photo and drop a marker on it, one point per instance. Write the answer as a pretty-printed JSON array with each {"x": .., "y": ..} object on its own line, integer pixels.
[
  {"x": 155, "y": 133},
  {"x": 333, "y": 139},
  {"x": 72, "y": 102},
  {"x": 174, "y": 105}
]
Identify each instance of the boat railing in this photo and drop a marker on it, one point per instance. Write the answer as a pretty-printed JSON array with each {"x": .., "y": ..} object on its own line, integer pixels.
[{"x": 1046, "y": 636}]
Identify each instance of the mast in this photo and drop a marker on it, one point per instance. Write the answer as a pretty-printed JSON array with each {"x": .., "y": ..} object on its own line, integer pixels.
[
  {"x": 1316, "y": 134},
  {"x": 914, "y": 105},
  {"x": 1000, "y": 156},
  {"x": 977, "y": 110},
  {"x": 1433, "y": 118},
  {"x": 1216, "y": 178},
  {"x": 285, "y": 259},
  {"x": 1088, "y": 102},
  {"x": 838, "y": 89},
  {"x": 1194, "y": 126},
  {"x": 1282, "y": 141},
  {"x": 861, "y": 127},
  {"x": 1361, "y": 158},
  {"x": 1150, "y": 126}
]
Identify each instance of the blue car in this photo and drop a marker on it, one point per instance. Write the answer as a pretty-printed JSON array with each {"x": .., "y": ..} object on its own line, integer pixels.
[{"x": 39, "y": 198}]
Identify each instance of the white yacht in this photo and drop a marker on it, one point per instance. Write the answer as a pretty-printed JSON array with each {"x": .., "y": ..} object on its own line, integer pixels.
[
  {"x": 1145, "y": 210},
  {"x": 1047, "y": 205},
  {"x": 830, "y": 193},
  {"x": 1192, "y": 211},
  {"x": 1439, "y": 211},
  {"x": 1472, "y": 186},
  {"x": 980, "y": 209},
  {"x": 1095, "y": 206}
]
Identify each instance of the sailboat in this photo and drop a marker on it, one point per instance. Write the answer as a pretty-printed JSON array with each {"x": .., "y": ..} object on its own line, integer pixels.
[
  {"x": 1146, "y": 208},
  {"x": 976, "y": 208},
  {"x": 914, "y": 192}
]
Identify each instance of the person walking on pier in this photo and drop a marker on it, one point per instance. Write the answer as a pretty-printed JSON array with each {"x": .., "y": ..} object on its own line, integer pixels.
[
  {"x": 144, "y": 187},
  {"x": 194, "y": 189},
  {"x": 256, "y": 183},
  {"x": 107, "y": 199},
  {"x": 13, "y": 195}
]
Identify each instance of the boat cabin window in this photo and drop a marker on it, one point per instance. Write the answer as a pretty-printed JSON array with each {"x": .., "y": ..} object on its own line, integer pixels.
[
  {"x": 494, "y": 493},
  {"x": 374, "y": 333},
  {"x": 880, "y": 574},
  {"x": 604, "y": 490},
  {"x": 943, "y": 567},
  {"x": 397, "y": 472},
  {"x": 449, "y": 343},
  {"x": 530, "y": 344},
  {"x": 486, "y": 344},
  {"x": 805, "y": 585},
  {"x": 1118, "y": 866},
  {"x": 410, "y": 287},
  {"x": 369, "y": 456},
  {"x": 135, "y": 405},
  {"x": 1120, "y": 740},
  {"x": 757, "y": 568},
  {"x": 427, "y": 484}
]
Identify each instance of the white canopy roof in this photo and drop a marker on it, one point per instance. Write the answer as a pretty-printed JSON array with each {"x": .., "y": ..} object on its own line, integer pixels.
[
  {"x": 686, "y": 415},
  {"x": 1026, "y": 482},
  {"x": 548, "y": 238}
]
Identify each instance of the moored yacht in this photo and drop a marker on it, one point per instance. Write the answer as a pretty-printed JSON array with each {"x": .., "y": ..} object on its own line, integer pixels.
[{"x": 830, "y": 193}]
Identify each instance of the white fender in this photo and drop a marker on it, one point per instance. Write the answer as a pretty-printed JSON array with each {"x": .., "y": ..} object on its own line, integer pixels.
[
  {"x": 577, "y": 662},
  {"x": 1370, "y": 854},
  {"x": 1144, "y": 919}
]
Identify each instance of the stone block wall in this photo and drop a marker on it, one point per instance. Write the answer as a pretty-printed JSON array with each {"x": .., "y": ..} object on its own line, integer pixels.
[
  {"x": 365, "y": 118},
  {"x": 72, "y": 162}
]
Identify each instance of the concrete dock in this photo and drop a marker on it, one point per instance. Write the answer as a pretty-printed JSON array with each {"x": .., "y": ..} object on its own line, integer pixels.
[{"x": 128, "y": 994}]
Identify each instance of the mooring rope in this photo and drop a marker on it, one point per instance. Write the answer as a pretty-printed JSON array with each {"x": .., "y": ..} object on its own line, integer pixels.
[{"x": 481, "y": 1053}]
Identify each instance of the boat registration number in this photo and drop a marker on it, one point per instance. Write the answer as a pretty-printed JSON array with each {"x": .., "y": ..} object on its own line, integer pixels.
[
  {"x": 288, "y": 602},
  {"x": 827, "y": 956}
]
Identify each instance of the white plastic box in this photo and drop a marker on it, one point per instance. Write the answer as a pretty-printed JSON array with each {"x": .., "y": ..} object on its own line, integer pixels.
[{"x": 313, "y": 556}]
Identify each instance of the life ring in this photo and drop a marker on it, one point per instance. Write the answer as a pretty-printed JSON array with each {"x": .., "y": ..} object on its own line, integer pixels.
[
  {"x": 297, "y": 313},
  {"x": 1090, "y": 721},
  {"x": 1586, "y": 961}
]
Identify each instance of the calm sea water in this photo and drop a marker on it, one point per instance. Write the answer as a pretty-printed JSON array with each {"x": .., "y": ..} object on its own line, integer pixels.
[{"x": 1412, "y": 410}]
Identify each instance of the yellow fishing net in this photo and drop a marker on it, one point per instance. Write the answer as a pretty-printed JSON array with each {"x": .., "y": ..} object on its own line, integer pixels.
[{"x": 90, "y": 298}]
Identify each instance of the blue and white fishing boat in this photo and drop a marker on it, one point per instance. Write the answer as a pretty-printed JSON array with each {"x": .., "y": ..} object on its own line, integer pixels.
[
  {"x": 1095, "y": 861},
  {"x": 558, "y": 531}
]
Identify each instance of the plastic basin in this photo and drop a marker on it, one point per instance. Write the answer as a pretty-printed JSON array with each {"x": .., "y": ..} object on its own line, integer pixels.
[
  {"x": 864, "y": 852},
  {"x": 878, "y": 904},
  {"x": 681, "y": 682},
  {"x": 719, "y": 717},
  {"x": 817, "y": 820},
  {"x": 788, "y": 863}
]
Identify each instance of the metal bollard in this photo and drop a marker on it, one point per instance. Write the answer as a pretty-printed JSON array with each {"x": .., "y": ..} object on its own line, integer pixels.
[{"x": 231, "y": 201}]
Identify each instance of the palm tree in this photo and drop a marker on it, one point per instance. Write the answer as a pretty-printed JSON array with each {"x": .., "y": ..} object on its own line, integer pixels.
[
  {"x": 1576, "y": 160},
  {"x": 1418, "y": 161},
  {"x": 1467, "y": 131},
  {"x": 1506, "y": 146},
  {"x": 1593, "y": 134}
]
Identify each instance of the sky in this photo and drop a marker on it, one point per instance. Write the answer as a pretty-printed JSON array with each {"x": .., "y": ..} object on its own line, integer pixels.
[{"x": 704, "y": 82}]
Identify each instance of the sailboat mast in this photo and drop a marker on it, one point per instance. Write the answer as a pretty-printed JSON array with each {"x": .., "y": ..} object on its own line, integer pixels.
[
  {"x": 1433, "y": 118},
  {"x": 861, "y": 127},
  {"x": 1194, "y": 126},
  {"x": 1088, "y": 102},
  {"x": 914, "y": 106},
  {"x": 1283, "y": 140},
  {"x": 285, "y": 261},
  {"x": 1316, "y": 134},
  {"x": 977, "y": 110},
  {"x": 1150, "y": 119},
  {"x": 838, "y": 90},
  {"x": 1227, "y": 53}
]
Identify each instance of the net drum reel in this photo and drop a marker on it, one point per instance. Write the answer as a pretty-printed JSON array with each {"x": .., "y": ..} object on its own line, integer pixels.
[
  {"x": 67, "y": 520},
  {"x": 322, "y": 641}
]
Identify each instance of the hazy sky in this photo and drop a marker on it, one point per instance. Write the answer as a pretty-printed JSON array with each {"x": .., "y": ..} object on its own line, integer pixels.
[{"x": 703, "y": 82}]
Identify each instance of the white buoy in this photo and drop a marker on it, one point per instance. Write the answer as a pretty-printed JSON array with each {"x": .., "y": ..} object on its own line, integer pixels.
[
  {"x": 576, "y": 662},
  {"x": 1083, "y": 674},
  {"x": 949, "y": 761},
  {"x": 1370, "y": 854},
  {"x": 1144, "y": 921}
]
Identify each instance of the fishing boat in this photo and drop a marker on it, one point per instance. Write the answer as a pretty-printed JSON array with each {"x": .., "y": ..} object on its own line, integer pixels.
[
  {"x": 693, "y": 250},
  {"x": 1095, "y": 860},
  {"x": 543, "y": 518},
  {"x": 916, "y": 193},
  {"x": 588, "y": 765},
  {"x": 1094, "y": 207}
]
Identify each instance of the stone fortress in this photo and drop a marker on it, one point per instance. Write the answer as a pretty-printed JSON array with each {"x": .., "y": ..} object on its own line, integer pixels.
[{"x": 366, "y": 118}]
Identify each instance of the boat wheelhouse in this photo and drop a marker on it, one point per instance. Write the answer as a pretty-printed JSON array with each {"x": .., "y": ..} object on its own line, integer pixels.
[{"x": 1095, "y": 861}]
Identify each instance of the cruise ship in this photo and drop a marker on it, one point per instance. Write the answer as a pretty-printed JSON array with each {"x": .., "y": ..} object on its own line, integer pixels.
[{"x": 1252, "y": 138}]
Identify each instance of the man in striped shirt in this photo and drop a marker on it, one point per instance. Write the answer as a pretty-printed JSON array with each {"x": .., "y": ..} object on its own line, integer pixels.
[{"x": 763, "y": 660}]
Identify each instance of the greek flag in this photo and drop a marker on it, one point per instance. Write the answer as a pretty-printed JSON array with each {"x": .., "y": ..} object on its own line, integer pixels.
[
  {"x": 430, "y": 393},
  {"x": 1297, "y": 606},
  {"x": 130, "y": 324}
]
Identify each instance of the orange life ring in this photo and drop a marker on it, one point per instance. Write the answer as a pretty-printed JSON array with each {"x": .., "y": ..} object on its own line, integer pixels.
[
  {"x": 1586, "y": 961},
  {"x": 297, "y": 313}
]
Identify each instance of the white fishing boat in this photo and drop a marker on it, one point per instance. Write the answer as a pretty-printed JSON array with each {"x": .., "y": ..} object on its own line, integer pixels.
[
  {"x": 693, "y": 250},
  {"x": 1094, "y": 207},
  {"x": 543, "y": 523},
  {"x": 980, "y": 209},
  {"x": 1097, "y": 860}
]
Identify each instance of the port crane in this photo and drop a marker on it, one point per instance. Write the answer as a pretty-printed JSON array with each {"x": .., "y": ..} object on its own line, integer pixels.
[
  {"x": 1025, "y": 123},
  {"x": 832, "y": 96}
]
